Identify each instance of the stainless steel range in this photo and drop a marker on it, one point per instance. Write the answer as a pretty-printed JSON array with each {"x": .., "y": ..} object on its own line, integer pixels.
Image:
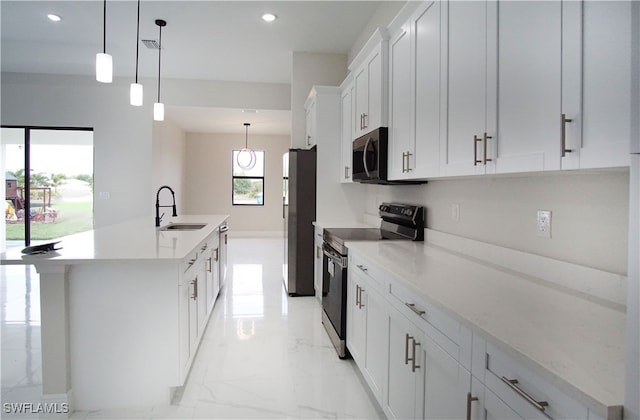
[{"x": 399, "y": 221}]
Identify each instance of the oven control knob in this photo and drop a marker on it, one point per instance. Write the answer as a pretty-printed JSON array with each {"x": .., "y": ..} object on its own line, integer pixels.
[{"x": 409, "y": 212}]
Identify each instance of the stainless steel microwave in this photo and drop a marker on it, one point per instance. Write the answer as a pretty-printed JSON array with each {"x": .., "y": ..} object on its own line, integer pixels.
[{"x": 370, "y": 157}]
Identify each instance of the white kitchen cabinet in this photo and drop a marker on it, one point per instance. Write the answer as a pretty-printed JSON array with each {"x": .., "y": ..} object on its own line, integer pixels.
[
  {"x": 346, "y": 123},
  {"x": 447, "y": 383},
  {"x": 310, "y": 123},
  {"x": 529, "y": 86},
  {"x": 415, "y": 91},
  {"x": 405, "y": 389},
  {"x": 367, "y": 340},
  {"x": 191, "y": 308},
  {"x": 370, "y": 69},
  {"x": 597, "y": 84},
  {"x": 469, "y": 39}
]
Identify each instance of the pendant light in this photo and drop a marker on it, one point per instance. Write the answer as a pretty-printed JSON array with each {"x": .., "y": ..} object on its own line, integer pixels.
[
  {"x": 104, "y": 62},
  {"x": 246, "y": 159},
  {"x": 136, "y": 92},
  {"x": 158, "y": 107}
]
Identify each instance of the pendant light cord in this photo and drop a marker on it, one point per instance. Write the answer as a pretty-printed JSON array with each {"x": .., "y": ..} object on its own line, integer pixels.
[
  {"x": 246, "y": 136},
  {"x": 137, "y": 41},
  {"x": 159, "y": 56},
  {"x": 104, "y": 28}
]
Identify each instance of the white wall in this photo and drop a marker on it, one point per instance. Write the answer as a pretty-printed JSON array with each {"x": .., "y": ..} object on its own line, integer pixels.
[
  {"x": 589, "y": 213},
  {"x": 169, "y": 149},
  {"x": 126, "y": 164},
  {"x": 208, "y": 179},
  {"x": 308, "y": 70},
  {"x": 122, "y": 134}
]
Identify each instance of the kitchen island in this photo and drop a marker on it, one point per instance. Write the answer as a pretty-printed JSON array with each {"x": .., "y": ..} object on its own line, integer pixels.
[{"x": 123, "y": 309}]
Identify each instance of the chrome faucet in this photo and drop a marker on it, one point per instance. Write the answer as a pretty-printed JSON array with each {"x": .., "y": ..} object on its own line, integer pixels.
[{"x": 175, "y": 213}]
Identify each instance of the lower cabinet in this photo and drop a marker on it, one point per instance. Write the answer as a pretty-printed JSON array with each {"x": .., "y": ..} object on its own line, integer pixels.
[
  {"x": 421, "y": 363},
  {"x": 198, "y": 288},
  {"x": 405, "y": 392},
  {"x": 366, "y": 338}
]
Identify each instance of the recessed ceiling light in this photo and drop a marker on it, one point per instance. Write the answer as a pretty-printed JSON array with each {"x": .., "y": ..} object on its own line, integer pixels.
[
  {"x": 269, "y": 17},
  {"x": 54, "y": 18}
]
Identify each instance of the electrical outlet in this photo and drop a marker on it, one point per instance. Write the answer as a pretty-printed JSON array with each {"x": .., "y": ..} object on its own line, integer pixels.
[
  {"x": 544, "y": 223},
  {"x": 455, "y": 212}
]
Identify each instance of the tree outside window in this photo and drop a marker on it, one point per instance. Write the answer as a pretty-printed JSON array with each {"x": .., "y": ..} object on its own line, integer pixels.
[{"x": 248, "y": 185}]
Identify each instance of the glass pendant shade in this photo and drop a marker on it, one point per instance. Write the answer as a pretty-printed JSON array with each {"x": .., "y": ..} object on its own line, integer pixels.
[
  {"x": 158, "y": 111},
  {"x": 246, "y": 159},
  {"x": 136, "y": 94},
  {"x": 104, "y": 68}
]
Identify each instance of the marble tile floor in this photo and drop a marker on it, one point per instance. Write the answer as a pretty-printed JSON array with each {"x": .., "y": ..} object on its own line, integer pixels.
[{"x": 264, "y": 355}]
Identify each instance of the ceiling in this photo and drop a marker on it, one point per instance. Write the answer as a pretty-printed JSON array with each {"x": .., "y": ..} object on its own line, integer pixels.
[{"x": 206, "y": 40}]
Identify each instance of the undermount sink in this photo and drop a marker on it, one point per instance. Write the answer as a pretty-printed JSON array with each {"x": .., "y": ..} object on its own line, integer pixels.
[{"x": 183, "y": 226}]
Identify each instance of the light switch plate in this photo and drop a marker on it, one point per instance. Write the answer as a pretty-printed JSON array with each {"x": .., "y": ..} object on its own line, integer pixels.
[{"x": 544, "y": 223}]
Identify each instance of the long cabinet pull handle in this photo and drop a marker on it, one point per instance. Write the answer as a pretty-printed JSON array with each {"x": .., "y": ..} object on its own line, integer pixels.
[
  {"x": 357, "y": 296},
  {"x": 406, "y": 348},
  {"x": 513, "y": 384},
  {"x": 476, "y": 139},
  {"x": 470, "y": 399},
  {"x": 194, "y": 282},
  {"x": 361, "y": 304},
  {"x": 404, "y": 155},
  {"x": 563, "y": 134},
  {"x": 409, "y": 154},
  {"x": 412, "y": 306},
  {"x": 414, "y": 366},
  {"x": 485, "y": 138}
]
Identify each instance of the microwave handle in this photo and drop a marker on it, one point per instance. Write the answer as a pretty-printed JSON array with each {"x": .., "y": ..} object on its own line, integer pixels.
[{"x": 364, "y": 157}]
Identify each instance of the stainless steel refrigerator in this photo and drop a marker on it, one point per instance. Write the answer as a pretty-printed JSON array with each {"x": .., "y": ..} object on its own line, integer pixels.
[{"x": 299, "y": 213}]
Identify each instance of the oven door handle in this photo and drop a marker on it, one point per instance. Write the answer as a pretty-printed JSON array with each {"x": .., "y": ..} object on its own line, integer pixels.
[{"x": 334, "y": 256}]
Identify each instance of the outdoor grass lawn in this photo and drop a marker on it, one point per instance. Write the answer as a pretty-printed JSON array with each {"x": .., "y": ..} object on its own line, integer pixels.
[{"x": 73, "y": 217}]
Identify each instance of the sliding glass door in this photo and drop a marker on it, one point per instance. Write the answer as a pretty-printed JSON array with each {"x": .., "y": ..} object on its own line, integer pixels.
[{"x": 48, "y": 177}]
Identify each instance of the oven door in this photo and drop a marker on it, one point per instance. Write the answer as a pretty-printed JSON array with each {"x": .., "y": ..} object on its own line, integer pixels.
[{"x": 334, "y": 299}]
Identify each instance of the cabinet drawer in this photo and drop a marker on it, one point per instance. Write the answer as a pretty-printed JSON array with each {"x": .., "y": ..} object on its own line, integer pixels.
[
  {"x": 448, "y": 333},
  {"x": 190, "y": 261},
  {"x": 526, "y": 392},
  {"x": 368, "y": 270}
]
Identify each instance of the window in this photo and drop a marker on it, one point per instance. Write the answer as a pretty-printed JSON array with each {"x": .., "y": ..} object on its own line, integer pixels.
[{"x": 248, "y": 185}]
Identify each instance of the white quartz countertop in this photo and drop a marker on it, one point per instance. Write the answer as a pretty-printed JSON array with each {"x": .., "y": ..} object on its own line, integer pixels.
[
  {"x": 574, "y": 342},
  {"x": 128, "y": 241}
]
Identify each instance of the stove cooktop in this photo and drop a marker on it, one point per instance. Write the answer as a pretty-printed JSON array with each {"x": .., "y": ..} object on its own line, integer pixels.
[{"x": 336, "y": 237}]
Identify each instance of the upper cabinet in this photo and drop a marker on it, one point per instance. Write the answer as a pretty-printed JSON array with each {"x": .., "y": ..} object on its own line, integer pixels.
[
  {"x": 347, "y": 125},
  {"x": 415, "y": 95},
  {"x": 483, "y": 87},
  {"x": 370, "y": 85},
  {"x": 310, "y": 122},
  {"x": 597, "y": 84},
  {"x": 469, "y": 40}
]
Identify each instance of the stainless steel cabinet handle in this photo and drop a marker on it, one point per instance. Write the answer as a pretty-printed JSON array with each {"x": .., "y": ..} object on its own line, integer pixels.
[
  {"x": 409, "y": 154},
  {"x": 194, "y": 283},
  {"x": 361, "y": 305},
  {"x": 365, "y": 122},
  {"x": 406, "y": 348},
  {"x": 412, "y": 306},
  {"x": 414, "y": 366},
  {"x": 209, "y": 265},
  {"x": 470, "y": 399},
  {"x": 216, "y": 254},
  {"x": 563, "y": 134},
  {"x": 486, "y": 137},
  {"x": 476, "y": 139},
  {"x": 357, "y": 296},
  {"x": 513, "y": 384},
  {"x": 362, "y": 267},
  {"x": 404, "y": 156},
  {"x": 204, "y": 247}
]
